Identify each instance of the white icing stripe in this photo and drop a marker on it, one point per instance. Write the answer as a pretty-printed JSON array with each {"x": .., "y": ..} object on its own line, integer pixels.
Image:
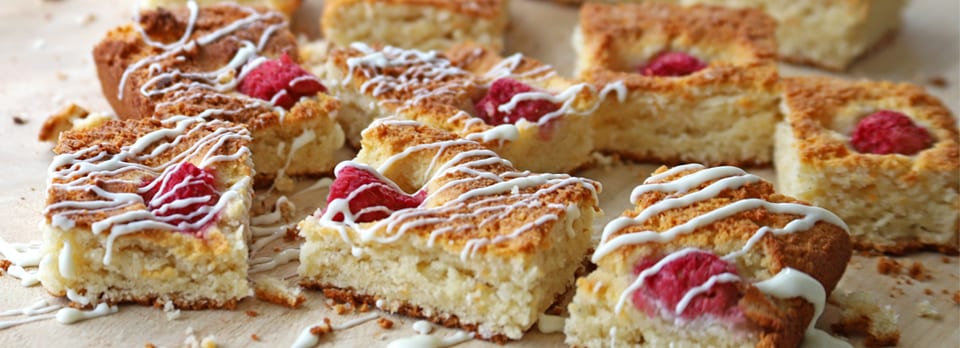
[
  {"x": 35, "y": 312},
  {"x": 306, "y": 339},
  {"x": 22, "y": 254},
  {"x": 703, "y": 288},
  {"x": 69, "y": 316}
]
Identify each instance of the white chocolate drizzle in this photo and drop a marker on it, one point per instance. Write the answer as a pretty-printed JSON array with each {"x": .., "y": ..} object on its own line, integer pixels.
[
  {"x": 786, "y": 284},
  {"x": 494, "y": 197},
  {"x": 81, "y": 170},
  {"x": 69, "y": 316},
  {"x": 307, "y": 339}
]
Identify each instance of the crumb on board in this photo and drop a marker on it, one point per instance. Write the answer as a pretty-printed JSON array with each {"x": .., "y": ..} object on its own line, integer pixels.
[
  {"x": 956, "y": 297},
  {"x": 17, "y": 120},
  {"x": 928, "y": 292},
  {"x": 252, "y": 314},
  {"x": 888, "y": 266},
  {"x": 918, "y": 272},
  {"x": 385, "y": 323},
  {"x": 5, "y": 264},
  {"x": 323, "y": 329},
  {"x": 862, "y": 314},
  {"x": 925, "y": 310},
  {"x": 364, "y": 307},
  {"x": 945, "y": 259},
  {"x": 937, "y": 81},
  {"x": 343, "y": 308},
  {"x": 255, "y": 337},
  {"x": 149, "y": 345}
]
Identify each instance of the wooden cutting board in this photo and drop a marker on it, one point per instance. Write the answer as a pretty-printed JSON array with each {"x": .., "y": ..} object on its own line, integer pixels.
[{"x": 45, "y": 63}]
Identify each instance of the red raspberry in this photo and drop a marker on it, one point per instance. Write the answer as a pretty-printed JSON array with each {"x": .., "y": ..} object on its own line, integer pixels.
[
  {"x": 672, "y": 64},
  {"x": 182, "y": 182},
  {"x": 886, "y": 132},
  {"x": 379, "y": 198},
  {"x": 280, "y": 76},
  {"x": 677, "y": 277},
  {"x": 501, "y": 92}
]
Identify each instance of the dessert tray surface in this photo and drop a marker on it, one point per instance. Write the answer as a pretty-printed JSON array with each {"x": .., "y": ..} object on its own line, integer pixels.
[{"x": 46, "y": 63}]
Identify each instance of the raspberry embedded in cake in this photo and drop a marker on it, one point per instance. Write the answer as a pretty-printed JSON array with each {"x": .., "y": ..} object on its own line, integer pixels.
[
  {"x": 688, "y": 276},
  {"x": 183, "y": 196},
  {"x": 886, "y": 132},
  {"x": 370, "y": 196},
  {"x": 508, "y": 101},
  {"x": 280, "y": 81},
  {"x": 672, "y": 64}
]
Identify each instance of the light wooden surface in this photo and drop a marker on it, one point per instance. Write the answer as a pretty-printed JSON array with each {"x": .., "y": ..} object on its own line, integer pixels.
[{"x": 45, "y": 63}]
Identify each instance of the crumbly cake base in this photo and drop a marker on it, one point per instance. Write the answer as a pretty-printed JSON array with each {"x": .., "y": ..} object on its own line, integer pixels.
[{"x": 498, "y": 297}]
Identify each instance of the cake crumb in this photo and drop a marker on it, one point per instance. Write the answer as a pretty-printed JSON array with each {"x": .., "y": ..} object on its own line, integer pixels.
[
  {"x": 255, "y": 337},
  {"x": 5, "y": 264},
  {"x": 364, "y": 307},
  {"x": 888, "y": 266},
  {"x": 252, "y": 314},
  {"x": 928, "y": 292},
  {"x": 917, "y": 271},
  {"x": 171, "y": 311},
  {"x": 321, "y": 330},
  {"x": 17, "y": 120},
  {"x": 956, "y": 297},
  {"x": 861, "y": 314},
  {"x": 62, "y": 76},
  {"x": 274, "y": 290},
  {"x": 937, "y": 81},
  {"x": 945, "y": 259},
  {"x": 343, "y": 308},
  {"x": 385, "y": 323},
  {"x": 925, "y": 310},
  {"x": 86, "y": 19},
  {"x": 149, "y": 345}
]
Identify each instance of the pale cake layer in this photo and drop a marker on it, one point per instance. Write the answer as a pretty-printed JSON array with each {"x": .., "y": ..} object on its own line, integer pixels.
[
  {"x": 142, "y": 80},
  {"x": 893, "y": 203},
  {"x": 416, "y": 24},
  {"x": 492, "y": 253},
  {"x": 497, "y": 296}
]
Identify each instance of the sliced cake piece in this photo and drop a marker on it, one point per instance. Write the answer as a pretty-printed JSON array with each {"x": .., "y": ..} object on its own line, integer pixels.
[
  {"x": 443, "y": 229},
  {"x": 701, "y": 81},
  {"x": 516, "y": 106},
  {"x": 415, "y": 24},
  {"x": 149, "y": 211},
  {"x": 225, "y": 62},
  {"x": 884, "y": 156},
  {"x": 710, "y": 257}
]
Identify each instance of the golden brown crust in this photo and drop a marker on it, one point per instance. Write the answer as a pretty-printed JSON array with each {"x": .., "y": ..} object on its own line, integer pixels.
[
  {"x": 60, "y": 122},
  {"x": 748, "y": 33},
  {"x": 5, "y": 264},
  {"x": 110, "y": 138},
  {"x": 475, "y": 8},
  {"x": 355, "y": 298},
  {"x": 123, "y": 47},
  {"x": 821, "y": 252},
  {"x": 814, "y": 102}
]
